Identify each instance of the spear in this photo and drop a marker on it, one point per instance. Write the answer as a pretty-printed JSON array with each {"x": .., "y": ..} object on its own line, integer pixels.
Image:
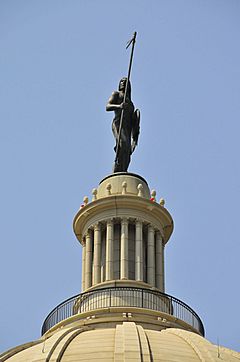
[{"x": 132, "y": 41}]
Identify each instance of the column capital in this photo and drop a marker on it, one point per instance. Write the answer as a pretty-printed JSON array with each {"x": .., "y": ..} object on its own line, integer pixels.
[
  {"x": 150, "y": 227},
  {"x": 88, "y": 233},
  {"x": 124, "y": 220},
  {"x": 97, "y": 226},
  {"x": 159, "y": 234}
]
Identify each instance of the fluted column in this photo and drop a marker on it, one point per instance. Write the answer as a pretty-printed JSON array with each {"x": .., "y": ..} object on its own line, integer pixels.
[
  {"x": 88, "y": 259},
  {"x": 97, "y": 254},
  {"x": 103, "y": 258},
  {"x": 163, "y": 268},
  {"x": 124, "y": 249},
  {"x": 138, "y": 251},
  {"x": 109, "y": 250},
  {"x": 83, "y": 264},
  {"x": 159, "y": 262},
  {"x": 150, "y": 256}
]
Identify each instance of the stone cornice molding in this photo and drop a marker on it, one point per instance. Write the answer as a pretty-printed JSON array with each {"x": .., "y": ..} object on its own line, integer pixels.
[{"x": 122, "y": 206}]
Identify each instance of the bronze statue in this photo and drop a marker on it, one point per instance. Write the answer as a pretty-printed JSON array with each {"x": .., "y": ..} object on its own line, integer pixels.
[{"x": 125, "y": 125}]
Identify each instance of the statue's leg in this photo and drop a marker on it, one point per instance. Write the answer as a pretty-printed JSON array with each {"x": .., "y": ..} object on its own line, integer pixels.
[
  {"x": 126, "y": 161},
  {"x": 119, "y": 162},
  {"x": 126, "y": 154},
  {"x": 115, "y": 134}
]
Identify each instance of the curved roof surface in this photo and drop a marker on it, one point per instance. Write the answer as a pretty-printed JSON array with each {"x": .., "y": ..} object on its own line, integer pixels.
[{"x": 125, "y": 342}]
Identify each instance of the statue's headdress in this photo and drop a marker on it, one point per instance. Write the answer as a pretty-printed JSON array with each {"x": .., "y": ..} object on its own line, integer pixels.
[{"x": 128, "y": 88}]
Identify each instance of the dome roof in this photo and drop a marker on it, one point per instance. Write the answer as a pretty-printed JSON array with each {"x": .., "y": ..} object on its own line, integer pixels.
[{"x": 125, "y": 342}]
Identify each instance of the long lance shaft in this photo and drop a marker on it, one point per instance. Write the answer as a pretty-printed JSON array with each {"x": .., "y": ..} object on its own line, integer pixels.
[{"x": 133, "y": 40}]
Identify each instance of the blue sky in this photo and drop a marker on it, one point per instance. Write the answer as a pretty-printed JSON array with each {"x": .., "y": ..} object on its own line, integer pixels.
[{"x": 59, "y": 62}]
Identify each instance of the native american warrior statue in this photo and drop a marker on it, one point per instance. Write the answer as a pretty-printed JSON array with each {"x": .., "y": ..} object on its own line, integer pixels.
[{"x": 125, "y": 125}]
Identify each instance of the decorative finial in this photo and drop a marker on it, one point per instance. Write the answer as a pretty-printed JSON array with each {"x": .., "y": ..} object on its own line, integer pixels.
[
  {"x": 140, "y": 189},
  {"x": 85, "y": 200},
  {"x": 162, "y": 202},
  {"x": 124, "y": 188},
  {"x": 94, "y": 193},
  {"x": 153, "y": 195},
  {"x": 109, "y": 186}
]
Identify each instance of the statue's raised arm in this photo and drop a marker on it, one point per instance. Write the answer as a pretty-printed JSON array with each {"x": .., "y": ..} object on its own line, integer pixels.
[{"x": 125, "y": 125}]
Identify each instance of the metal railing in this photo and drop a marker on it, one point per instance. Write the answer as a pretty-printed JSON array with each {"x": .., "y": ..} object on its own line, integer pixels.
[{"x": 123, "y": 297}]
